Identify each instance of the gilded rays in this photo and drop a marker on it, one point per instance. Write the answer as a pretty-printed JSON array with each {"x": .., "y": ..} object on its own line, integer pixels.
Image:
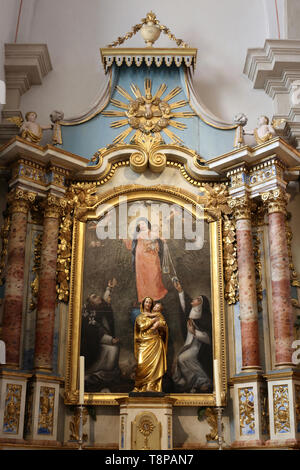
[{"x": 148, "y": 114}]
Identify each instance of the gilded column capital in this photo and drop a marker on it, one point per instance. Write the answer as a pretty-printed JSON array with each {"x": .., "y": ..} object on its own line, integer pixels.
[
  {"x": 241, "y": 207},
  {"x": 54, "y": 206},
  {"x": 276, "y": 200},
  {"x": 20, "y": 200}
]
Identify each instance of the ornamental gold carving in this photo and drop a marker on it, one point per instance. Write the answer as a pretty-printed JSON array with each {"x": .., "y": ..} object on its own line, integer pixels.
[
  {"x": 150, "y": 114},
  {"x": 54, "y": 206},
  {"x": 281, "y": 408},
  {"x": 246, "y": 410},
  {"x": 230, "y": 265},
  {"x": 46, "y": 410},
  {"x": 146, "y": 432},
  {"x": 241, "y": 207},
  {"x": 217, "y": 199},
  {"x": 276, "y": 200},
  {"x": 20, "y": 200},
  {"x": 256, "y": 221},
  {"x": 64, "y": 258},
  {"x": 12, "y": 408},
  {"x": 146, "y": 427},
  {"x": 212, "y": 420},
  {"x": 148, "y": 155}
]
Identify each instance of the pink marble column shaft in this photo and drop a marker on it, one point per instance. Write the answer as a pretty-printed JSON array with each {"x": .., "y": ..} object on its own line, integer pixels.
[
  {"x": 46, "y": 301},
  {"x": 282, "y": 308},
  {"x": 247, "y": 296},
  {"x": 14, "y": 285}
]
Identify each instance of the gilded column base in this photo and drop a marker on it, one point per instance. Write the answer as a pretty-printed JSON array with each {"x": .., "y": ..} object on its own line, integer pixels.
[
  {"x": 284, "y": 407},
  {"x": 146, "y": 423},
  {"x": 13, "y": 386},
  {"x": 250, "y": 410},
  {"x": 42, "y": 409}
]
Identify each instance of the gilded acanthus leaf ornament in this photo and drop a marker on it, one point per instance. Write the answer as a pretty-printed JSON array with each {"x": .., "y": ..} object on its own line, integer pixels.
[
  {"x": 230, "y": 266},
  {"x": 217, "y": 199}
]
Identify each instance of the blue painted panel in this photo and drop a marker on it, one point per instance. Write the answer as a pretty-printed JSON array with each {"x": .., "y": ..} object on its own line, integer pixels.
[{"x": 86, "y": 138}]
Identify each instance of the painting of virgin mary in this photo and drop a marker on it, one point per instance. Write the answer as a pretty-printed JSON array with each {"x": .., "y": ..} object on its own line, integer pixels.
[{"x": 147, "y": 256}]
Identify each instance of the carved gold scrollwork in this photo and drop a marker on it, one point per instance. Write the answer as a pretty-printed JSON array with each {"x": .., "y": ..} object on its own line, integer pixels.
[
  {"x": 46, "y": 410},
  {"x": 276, "y": 200},
  {"x": 257, "y": 219},
  {"x": 281, "y": 408},
  {"x": 230, "y": 266},
  {"x": 157, "y": 162},
  {"x": 79, "y": 197},
  {"x": 20, "y": 200},
  {"x": 212, "y": 420},
  {"x": 64, "y": 257},
  {"x": 54, "y": 206},
  {"x": 246, "y": 410},
  {"x": 138, "y": 162},
  {"x": 217, "y": 199},
  {"x": 241, "y": 207},
  {"x": 12, "y": 408}
]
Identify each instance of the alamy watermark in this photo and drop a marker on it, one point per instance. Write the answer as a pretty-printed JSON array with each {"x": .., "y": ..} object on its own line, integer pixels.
[{"x": 152, "y": 220}]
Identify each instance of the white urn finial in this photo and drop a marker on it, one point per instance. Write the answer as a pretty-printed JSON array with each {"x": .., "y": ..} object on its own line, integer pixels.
[{"x": 150, "y": 31}]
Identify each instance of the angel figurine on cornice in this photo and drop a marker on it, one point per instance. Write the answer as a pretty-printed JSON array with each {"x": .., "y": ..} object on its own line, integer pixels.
[
  {"x": 264, "y": 130},
  {"x": 32, "y": 131}
]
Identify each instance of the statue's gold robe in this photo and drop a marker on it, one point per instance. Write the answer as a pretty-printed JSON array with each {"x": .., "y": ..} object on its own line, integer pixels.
[{"x": 150, "y": 350}]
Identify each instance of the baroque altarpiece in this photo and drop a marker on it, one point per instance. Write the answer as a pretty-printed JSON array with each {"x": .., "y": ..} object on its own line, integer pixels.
[{"x": 148, "y": 194}]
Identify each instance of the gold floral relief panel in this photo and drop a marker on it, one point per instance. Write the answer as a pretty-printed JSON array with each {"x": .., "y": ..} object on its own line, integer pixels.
[{"x": 125, "y": 248}]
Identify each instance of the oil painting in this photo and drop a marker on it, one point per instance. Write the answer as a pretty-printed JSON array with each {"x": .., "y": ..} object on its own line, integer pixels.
[{"x": 147, "y": 249}]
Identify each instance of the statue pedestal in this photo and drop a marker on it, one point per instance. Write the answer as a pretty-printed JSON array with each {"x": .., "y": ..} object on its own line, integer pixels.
[{"x": 146, "y": 422}]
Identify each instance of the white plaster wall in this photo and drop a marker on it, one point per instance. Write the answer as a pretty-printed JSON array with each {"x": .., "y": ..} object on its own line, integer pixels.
[
  {"x": 8, "y": 22},
  {"x": 75, "y": 30}
]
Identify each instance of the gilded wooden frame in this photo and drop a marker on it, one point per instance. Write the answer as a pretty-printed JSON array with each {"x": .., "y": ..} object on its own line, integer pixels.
[{"x": 135, "y": 193}]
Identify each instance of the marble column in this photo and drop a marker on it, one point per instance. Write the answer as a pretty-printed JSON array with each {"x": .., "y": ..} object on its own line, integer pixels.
[
  {"x": 283, "y": 316},
  {"x": 247, "y": 286},
  {"x": 46, "y": 300},
  {"x": 14, "y": 280}
]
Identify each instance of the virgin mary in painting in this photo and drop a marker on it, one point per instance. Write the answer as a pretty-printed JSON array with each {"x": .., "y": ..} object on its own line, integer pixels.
[{"x": 147, "y": 254}]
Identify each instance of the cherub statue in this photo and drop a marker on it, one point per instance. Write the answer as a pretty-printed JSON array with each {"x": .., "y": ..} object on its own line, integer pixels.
[
  {"x": 264, "y": 130},
  {"x": 31, "y": 130}
]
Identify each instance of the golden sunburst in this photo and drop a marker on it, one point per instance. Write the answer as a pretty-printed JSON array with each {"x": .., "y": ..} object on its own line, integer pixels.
[{"x": 149, "y": 114}]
